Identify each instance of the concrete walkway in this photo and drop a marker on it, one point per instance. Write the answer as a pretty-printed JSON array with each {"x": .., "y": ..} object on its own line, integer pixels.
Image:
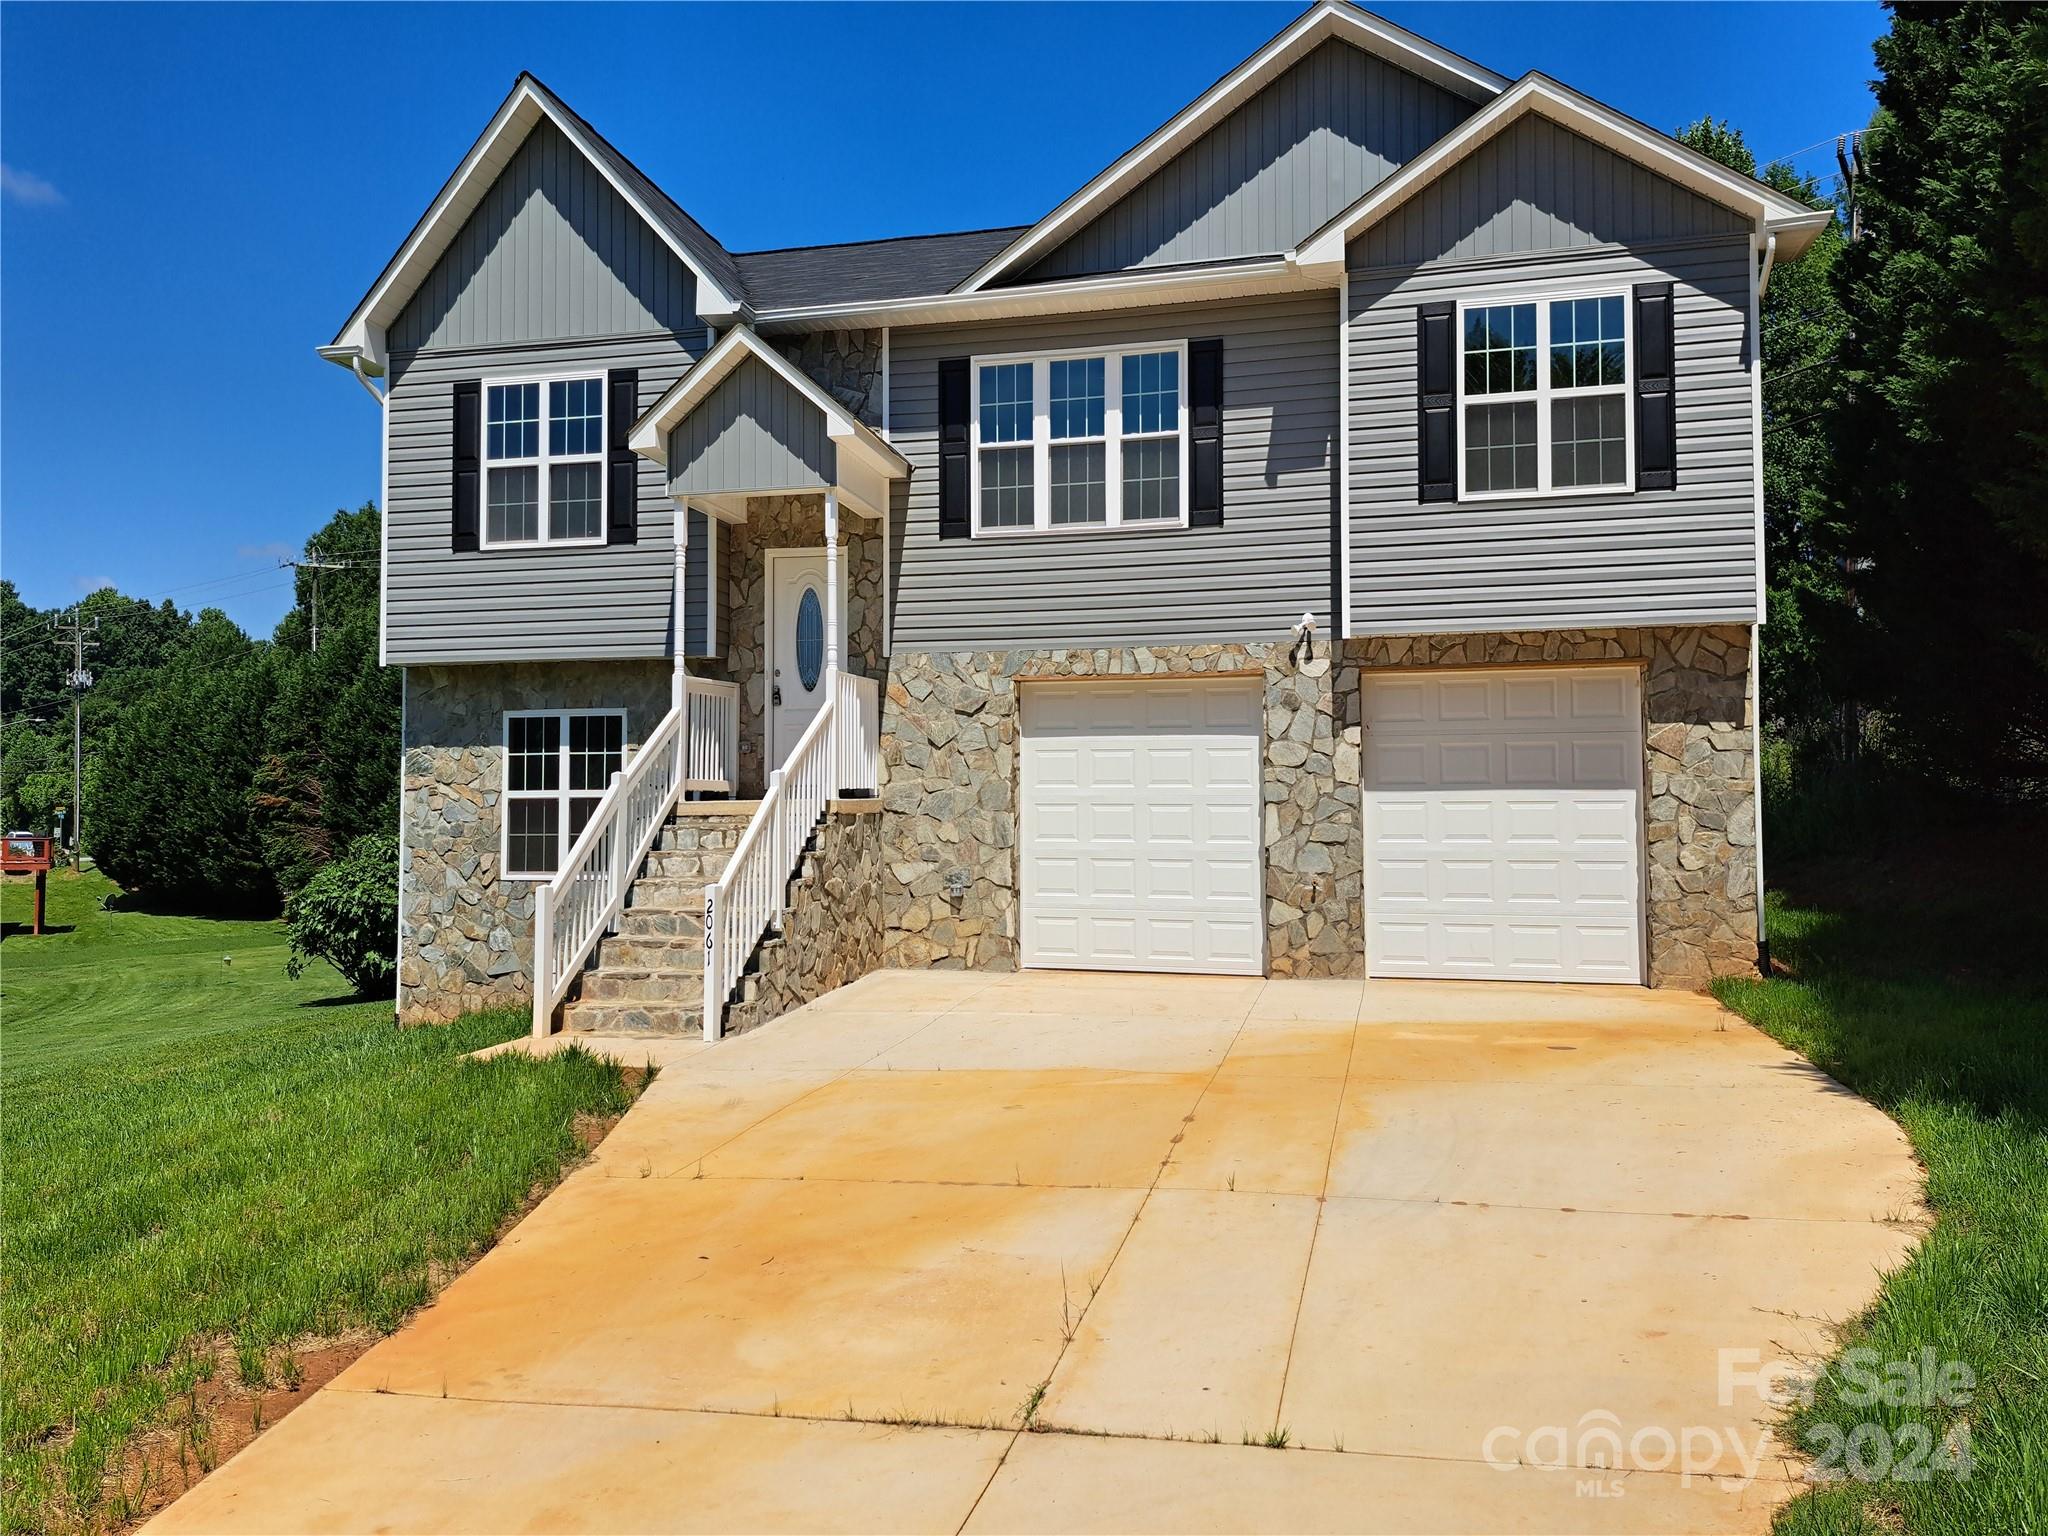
[{"x": 1454, "y": 1244}]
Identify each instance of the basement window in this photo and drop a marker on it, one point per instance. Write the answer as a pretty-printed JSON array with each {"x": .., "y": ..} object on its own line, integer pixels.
[{"x": 558, "y": 764}]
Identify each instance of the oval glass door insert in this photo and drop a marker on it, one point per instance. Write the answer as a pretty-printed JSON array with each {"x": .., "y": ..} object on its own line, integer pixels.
[{"x": 810, "y": 639}]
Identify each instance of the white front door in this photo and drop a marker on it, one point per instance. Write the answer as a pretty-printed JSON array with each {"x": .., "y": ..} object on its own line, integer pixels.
[
  {"x": 796, "y": 646},
  {"x": 1141, "y": 847},
  {"x": 1504, "y": 824}
]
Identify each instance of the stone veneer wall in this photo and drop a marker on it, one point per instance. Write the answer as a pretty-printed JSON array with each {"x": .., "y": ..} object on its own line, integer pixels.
[
  {"x": 847, "y": 365},
  {"x": 949, "y": 789},
  {"x": 791, "y": 522},
  {"x": 833, "y": 932},
  {"x": 466, "y": 935},
  {"x": 1698, "y": 741}
]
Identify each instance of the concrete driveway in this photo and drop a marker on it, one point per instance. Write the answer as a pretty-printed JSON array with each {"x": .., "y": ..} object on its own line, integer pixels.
[{"x": 1066, "y": 1252}]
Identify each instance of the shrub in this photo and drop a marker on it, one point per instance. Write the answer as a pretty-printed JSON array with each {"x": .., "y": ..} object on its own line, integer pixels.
[{"x": 347, "y": 915}]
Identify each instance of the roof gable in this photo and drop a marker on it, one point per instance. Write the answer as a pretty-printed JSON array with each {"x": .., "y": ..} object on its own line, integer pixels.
[
  {"x": 1759, "y": 206},
  {"x": 719, "y": 293},
  {"x": 551, "y": 253},
  {"x": 1327, "y": 19},
  {"x": 1538, "y": 186},
  {"x": 1321, "y": 133}
]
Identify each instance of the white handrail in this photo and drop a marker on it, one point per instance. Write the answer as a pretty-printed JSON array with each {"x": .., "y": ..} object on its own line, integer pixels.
[
  {"x": 582, "y": 903},
  {"x": 838, "y": 751}
]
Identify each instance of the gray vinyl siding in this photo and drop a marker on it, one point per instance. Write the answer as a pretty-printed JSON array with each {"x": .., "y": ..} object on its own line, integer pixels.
[
  {"x": 547, "y": 603},
  {"x": 1686, "y": 555},
  {"x": 1279, "y": 167},
  {"x": 753, "y": 432},
  {"x": 1538, "y": 187},
  {"x": 552, "y": 253},
  {"x": 1252, "y": 578}
]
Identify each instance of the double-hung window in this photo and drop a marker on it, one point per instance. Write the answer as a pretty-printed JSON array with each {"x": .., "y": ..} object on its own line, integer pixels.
[
  {"x": 558, "y": 763},
  {"x": 1543, "y": 396},
  {"x": 544, "y": 451},
  {"x": 1080, "y": 440}
]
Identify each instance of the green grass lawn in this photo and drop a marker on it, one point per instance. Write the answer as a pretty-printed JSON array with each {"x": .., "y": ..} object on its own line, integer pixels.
[
  {"x": 1921, "y": 982},
  {"x": 205, "y": 1161}
]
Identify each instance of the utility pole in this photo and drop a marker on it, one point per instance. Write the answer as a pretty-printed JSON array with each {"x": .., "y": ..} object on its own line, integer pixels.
[
  {"x": 316, "y": 562},
  {"x": 72, "y": 631},
  {"x": 1849, "y": 156}
]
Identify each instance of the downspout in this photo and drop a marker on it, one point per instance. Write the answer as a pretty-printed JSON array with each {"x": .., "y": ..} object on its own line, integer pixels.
[
  {"x": 1756, "y": 789},
  {"x": 1756, "y": 653},
  {"x": 355, "y": 366}
]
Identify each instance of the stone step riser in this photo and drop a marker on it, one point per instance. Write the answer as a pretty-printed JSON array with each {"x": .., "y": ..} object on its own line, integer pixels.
[
  {"x": 645, "y": 987},
  {"x": 686, "y": 864},
  {"x": 662, "y": 923},
  {"x": 641, "y": 952},
  {"x": 720, "y": 836},
  {"x": 674, "y": 893},
  {"x": 633, "y": 1019}
]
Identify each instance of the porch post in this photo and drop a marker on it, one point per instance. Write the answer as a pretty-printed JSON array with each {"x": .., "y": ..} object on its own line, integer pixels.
[
  {"x": 682, "y": 641},
  {"x": 833, "y": 617}
]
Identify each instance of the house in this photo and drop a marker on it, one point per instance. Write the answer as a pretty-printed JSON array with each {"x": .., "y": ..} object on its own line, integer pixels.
[{"x": 1328, "y": 543}]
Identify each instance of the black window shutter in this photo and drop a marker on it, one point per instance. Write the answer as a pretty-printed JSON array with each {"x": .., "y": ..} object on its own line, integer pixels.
[
  {"x": 954, "y": 446},
  {"x": 1656, "y": 389},
  {"x": 464, "y": 490},
  {"x": 1436, "y": 403},
  {"x": 622, "y": 465},
  {"x": 1205, "y": 426}
]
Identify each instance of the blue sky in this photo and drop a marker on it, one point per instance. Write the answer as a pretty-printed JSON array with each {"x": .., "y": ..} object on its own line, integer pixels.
[{"x": 195, "y": 197}]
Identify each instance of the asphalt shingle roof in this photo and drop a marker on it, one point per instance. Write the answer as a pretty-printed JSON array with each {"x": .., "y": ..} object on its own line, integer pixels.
[{"x": 868, "y": 270}]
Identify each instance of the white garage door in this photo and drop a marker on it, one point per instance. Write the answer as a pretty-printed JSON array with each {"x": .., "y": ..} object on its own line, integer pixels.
[
  {"x": 1140, "y": 839},
  {"x": 1503, "y": 824}
]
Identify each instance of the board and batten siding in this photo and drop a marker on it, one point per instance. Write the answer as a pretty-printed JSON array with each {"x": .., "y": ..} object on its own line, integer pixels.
[
  {"x": 1322, "y": 135},
  {"x": 552, "y": 253},
  {"x": 754, "y": 432},
  {"x": 1252, "y": 578},
  {"x": 1686, "y": 555},
  {"x": 526, "y": 604},
  {"x": 1537, "y": 186}
]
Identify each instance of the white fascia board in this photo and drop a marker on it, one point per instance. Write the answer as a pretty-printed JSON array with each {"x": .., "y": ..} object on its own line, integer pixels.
[
  {"x": 1332, "y": 18},
  {"x": 1324, "y": 250},
  {"x": 649, "y": 437},
  {"x": 364, "y": 334},
  {"x": 1124, "y": 290}
]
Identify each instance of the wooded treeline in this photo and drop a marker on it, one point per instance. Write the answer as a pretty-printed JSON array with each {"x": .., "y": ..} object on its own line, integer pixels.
[
  {"x": 221, "y": 772},
  {"x": 1906, "y": 423}
]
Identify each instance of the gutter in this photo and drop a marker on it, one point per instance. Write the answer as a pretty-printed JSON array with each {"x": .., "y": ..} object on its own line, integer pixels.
[{"x": 1763, "y": 276}]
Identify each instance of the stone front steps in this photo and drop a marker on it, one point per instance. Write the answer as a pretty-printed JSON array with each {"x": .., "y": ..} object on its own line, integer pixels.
[{"x": 648, "y": 978}]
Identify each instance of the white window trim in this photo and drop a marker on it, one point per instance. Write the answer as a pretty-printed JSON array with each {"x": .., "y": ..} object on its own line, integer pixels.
[
  {"x": 1544, "y": 394},
  {"x": 1041, "y": 441},
  {"x": 561, "y": 794},
  {"x": 544, "y": 460}
]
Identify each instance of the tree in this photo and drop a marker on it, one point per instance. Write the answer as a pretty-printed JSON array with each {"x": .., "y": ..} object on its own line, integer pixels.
[
  {"x": 1809, "y": 633},
  {"x": 1939, "y": 463},
  {"x": 169, "y": 805},
  {"x": 329, "y": 771}
]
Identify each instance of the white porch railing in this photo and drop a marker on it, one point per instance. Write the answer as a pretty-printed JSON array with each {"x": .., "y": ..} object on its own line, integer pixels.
[
  {"x": 694, "y": 747},
  {"x": 838, "y": 751},
  {"x": 714, "y": 732},
  {"x": 857, "y": 702}
]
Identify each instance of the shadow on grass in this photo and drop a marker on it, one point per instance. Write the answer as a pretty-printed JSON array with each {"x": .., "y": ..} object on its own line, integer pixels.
[
  {"x": 27, "y": 930},
  {"x": 1917, "y": 979},
  {"x": 344, "y": 1000},
  {"x": 147, "y": 904}
]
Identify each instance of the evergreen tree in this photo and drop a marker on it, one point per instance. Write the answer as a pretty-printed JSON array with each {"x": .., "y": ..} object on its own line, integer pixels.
[
  {"x": 1940, "y": 446},
  {"x": 1807, "y": 634},
  {"x": 169, "y": 803}
]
